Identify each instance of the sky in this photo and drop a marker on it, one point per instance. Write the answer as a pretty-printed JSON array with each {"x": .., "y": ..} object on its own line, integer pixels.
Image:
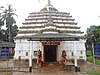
[{"x": 85, "y": 12}]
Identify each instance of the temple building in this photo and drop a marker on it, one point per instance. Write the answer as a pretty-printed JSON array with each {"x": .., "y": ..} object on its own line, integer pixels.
[{"x": 51, "y": 32}]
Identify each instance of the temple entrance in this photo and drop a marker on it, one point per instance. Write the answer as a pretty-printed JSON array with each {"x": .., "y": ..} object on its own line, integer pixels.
[{"x": 50, "y": 53}]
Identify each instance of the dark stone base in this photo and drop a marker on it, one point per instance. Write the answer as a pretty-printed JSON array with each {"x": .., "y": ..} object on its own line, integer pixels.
[
  {"x": 30, "y": 69},
  {"x": 77, "y": 69}
]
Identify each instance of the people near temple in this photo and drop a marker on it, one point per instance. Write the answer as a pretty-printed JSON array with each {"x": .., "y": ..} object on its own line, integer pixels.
[
  {"x": 63, "y": 53},
  {"x": 39, "y": 60},
  {"x": 39, "y": 53},
  {"x": 63, "y": 58}
]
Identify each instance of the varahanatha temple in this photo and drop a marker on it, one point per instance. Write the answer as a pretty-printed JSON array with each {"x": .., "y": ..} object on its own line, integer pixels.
[{"x": 51, "y": 32}]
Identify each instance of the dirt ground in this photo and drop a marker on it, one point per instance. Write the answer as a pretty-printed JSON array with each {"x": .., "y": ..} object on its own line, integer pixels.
[{"x": 21, "y": 68}]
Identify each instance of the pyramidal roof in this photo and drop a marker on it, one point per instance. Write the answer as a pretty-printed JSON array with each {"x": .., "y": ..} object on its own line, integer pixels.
[{"x": 49, "y": 21}]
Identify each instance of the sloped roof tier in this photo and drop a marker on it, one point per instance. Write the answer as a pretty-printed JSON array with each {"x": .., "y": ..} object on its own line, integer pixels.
[
  {"x": 48, "y": 36},
  {"x": 22, "y": 37},
  {"x": 77, "y": 32},
  {"x": 48, "y": 12},
  {"x": 31, "y": 31},
  {"x": 51, "y": 36},
  {"x": 48, "y": 30},
  {"x": 32, "y": 27},
  {"x": 46, "y": 25},
  {"x": 70, "y": 27},
  {"x": 48, "y": 18},
  {"x": 44, "y": 22},
  {"x": 56, "y": 37}
]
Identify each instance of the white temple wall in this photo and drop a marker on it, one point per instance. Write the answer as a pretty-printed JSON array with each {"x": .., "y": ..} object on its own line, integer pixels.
[
  {"x": 21, "y": 49},
  {"x": 42, "y": 49},
  {"x": 35, "y": 47},
  {"x": 23, "y": 46},
  {"x": 59, "y": 51},
  {"x": 68, "y": 46}
]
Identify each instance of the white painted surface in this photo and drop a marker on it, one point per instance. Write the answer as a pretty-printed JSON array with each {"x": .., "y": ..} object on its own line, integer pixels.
[{"x": 23, "y": 46}]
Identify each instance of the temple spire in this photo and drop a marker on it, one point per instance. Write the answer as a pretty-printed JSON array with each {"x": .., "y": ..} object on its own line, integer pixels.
[{"x": 49, "y": 2}]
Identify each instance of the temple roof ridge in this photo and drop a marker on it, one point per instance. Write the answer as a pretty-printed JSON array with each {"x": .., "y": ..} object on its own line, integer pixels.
[
  {"x": 49, "y": 7},
  {"x": 49, "y": 2}
]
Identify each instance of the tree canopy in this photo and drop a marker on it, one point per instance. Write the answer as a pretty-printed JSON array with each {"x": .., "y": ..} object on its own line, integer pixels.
[
  {"x": 93, "y": 36},
  {"x": 7, "y": 18}
]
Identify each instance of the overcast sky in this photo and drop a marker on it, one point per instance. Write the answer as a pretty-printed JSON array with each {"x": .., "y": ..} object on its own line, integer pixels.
[{"x": 85, "y": 12}]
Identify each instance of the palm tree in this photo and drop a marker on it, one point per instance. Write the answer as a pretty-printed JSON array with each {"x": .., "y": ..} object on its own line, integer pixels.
[
  {"x": 1, "y": 19},
  {"x": 8, "y": 17}
]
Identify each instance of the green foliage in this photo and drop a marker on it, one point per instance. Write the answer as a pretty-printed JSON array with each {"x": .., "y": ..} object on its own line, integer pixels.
[
  {"x": 93, "y": 34},
  {"x": 1, "y": 23},
  {"x": 93, "y": 72},
  {"x": 90, "y": 59},
  {"x": 98, "y": 62},
  {"x": 88, "y": 52},
  {"x": 14, "y": 31},
  {"x": 3, "y": 35},
  {"x": 7, "y": 16}
]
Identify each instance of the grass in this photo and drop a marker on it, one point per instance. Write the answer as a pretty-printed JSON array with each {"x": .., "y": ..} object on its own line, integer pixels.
[
  {"x": 98, "y": 62},
  {"x": 88, "y": 52},
  {"x": 97, "y": 72},
  {"x": 90, "y": 57}
]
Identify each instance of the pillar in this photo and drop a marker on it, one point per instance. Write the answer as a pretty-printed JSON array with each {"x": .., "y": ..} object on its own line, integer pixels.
[
  {"x": 75, "y": 56},
  {"x": 30, "y": 57}
]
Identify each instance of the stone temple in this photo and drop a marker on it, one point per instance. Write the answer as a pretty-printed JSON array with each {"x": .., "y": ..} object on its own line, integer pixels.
[{"x": 51, "y": 32}]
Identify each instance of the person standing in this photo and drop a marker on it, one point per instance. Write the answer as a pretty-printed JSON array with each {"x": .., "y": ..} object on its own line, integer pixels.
[{"x": 39, "y": 60}]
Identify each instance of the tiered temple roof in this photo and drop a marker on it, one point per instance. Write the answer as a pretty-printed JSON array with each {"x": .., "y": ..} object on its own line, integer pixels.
[{"x": 49, "y": 21}]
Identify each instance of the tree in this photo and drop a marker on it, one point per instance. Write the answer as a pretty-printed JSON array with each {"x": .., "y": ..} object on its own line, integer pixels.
[
  {"x": 1, "y": 19},
  {"x": 1, "y": 24},
  {"x": 93, "y": 35},
  {"x": 14, "y": 30},
  {"x": 3, "y": 35},
  {"x": 8, "y": 17}
]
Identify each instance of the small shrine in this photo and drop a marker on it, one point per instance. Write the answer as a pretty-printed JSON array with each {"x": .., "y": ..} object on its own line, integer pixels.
[{"x": 51, "y": 32}]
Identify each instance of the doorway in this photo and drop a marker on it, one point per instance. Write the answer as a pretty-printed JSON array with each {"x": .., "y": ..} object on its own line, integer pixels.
[{"x": 50, "y": 53}]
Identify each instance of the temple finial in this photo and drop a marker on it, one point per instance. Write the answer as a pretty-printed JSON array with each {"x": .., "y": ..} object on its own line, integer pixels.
[{"x": 49, "y": 2}]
